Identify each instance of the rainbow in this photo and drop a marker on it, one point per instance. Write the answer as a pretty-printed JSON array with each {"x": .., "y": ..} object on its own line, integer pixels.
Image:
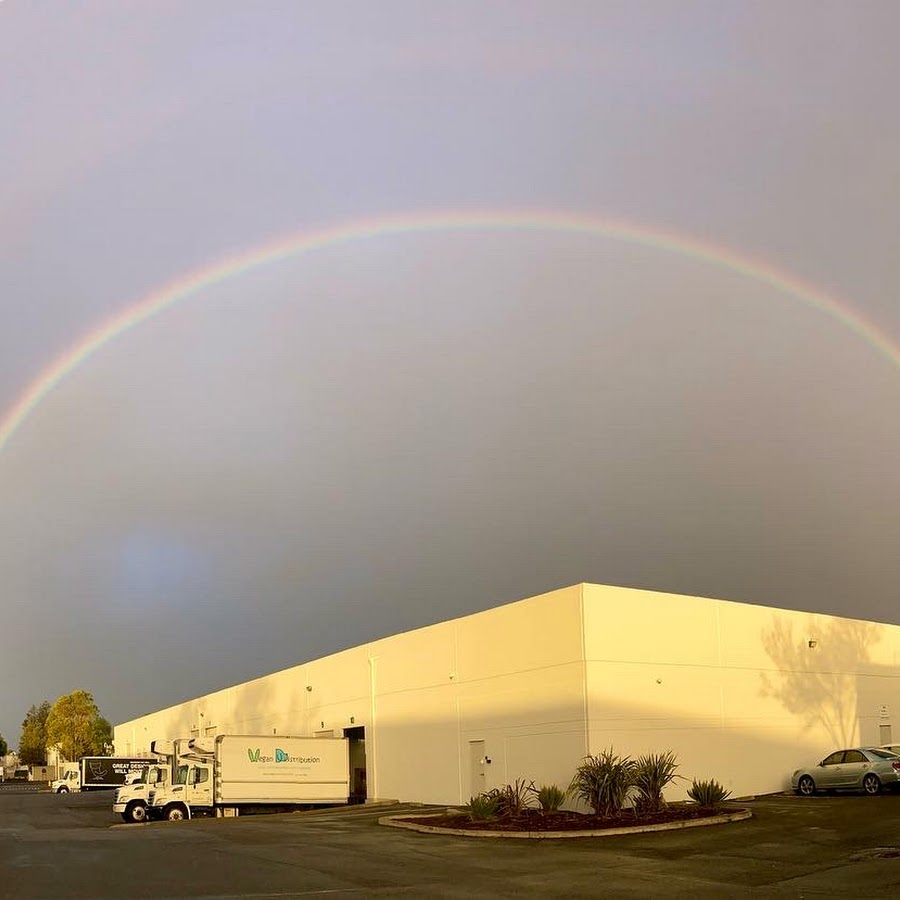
[{"x": 566, "y": 222}]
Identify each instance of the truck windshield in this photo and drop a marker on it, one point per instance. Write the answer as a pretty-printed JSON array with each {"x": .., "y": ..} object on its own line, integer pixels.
[{"x": 151, "y": 775}]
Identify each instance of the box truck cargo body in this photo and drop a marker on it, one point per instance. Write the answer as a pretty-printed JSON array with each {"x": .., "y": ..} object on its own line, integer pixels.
[
  {"x": 96, "y": 773},
  {"x": 231, "y": 773}
]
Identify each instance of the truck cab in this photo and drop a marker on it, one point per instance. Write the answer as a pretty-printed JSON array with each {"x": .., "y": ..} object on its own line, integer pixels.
[
  {"x": 191, "y": 787},
  {"x": 71, "y": 781},
  {"x": 171, "y": 801},
  {"x": 134, "y": 800},
  {"x": 135, "y": 796}
]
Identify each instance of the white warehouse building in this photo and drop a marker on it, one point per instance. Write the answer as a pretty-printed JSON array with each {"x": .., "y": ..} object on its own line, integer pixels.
[{"x": 741, "y": 693}]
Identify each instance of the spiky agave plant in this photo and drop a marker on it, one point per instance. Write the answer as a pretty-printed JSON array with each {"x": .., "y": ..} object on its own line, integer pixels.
[
  {"x": 653, "y": 773},
  {"x": 603, "y": 781},
  {"x": 482, "y": 807},
  {"x": 550, "y": 797},
  {"x": 708, "y": 794}
]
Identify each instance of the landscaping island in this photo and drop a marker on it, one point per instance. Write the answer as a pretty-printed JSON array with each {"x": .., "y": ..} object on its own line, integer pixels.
[
  {"x": 535, "y": 824},
  {"x": 625, "y": 795}
]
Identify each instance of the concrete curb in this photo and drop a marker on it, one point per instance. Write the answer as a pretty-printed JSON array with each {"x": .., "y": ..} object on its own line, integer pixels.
[
  {"x": 345, "y": 810},
  {"x": 396, "y": 822}
]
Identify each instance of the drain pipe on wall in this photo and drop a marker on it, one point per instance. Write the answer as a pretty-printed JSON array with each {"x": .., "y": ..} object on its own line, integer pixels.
[{"x": 373, "y": 739}]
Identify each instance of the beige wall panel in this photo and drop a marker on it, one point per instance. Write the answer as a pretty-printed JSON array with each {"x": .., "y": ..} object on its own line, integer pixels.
[
  {"x": 792, "y": 707},
  {"x": 531, "y": 634},
  {"x": 341, "y": 676},
  {"x": 781, "y": 639},
  {"x": 549, "y": 757},
  {"x": 649, "y": 695},
  {"x": 419, "y": 659},
  {"x": 746, "y": 761},
  {"x": 537, "y": 697},
  {"x": 879, "y": 707},
  {"x": 642, "y": 626},
  {"x": 415, "y": 745}
]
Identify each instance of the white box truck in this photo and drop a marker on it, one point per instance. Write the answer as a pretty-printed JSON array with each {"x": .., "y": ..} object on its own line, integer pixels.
[
  {"x": 234, "y": 773},
  {"x": 97, "y": 773},
  {"x": 133, "y": 799}
]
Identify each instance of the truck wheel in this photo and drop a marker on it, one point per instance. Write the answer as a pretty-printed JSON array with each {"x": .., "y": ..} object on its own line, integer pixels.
[
  {"x": 135, "y": 812},
  {"x": 175, "y": 812},
  {"x": 63, "y": 790}
]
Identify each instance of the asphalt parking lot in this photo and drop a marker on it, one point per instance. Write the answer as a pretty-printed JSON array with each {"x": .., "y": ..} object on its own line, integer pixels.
[{"x": 71, "y": 846}]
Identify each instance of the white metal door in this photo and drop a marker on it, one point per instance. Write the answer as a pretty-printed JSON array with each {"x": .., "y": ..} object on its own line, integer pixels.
[{"x": 477, "y": 767}]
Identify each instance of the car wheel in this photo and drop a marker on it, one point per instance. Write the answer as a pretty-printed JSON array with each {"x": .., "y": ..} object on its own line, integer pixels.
[
  {"x": 872, "y": 784},
  {"x": 135, "y": 812},
  {"x": 175, "y": 813},
  {"x": 806, "y": 786}
]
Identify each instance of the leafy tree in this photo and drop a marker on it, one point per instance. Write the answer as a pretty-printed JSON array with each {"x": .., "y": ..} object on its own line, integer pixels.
[
  {"x": 33, "y": 743},
  {"x": 103, "y": 737},
  {"x": 76, "y": 726},
  {"x": 4, "y": 747}
]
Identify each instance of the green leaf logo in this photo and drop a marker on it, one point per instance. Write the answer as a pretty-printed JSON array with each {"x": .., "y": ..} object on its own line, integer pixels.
[{"x": 253, "y": 754}]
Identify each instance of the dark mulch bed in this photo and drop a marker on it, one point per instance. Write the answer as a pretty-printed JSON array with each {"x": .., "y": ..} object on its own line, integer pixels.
[{"x": 535, "y": 820}]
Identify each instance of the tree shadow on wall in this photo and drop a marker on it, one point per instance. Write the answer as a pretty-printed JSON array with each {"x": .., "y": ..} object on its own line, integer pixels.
[{"x": 817, "y": 668}]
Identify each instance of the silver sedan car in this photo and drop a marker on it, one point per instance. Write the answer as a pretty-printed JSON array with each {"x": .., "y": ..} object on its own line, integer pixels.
[{"x": 867, "y": 769}]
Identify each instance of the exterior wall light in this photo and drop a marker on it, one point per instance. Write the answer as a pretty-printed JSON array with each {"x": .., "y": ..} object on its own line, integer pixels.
[{"x": 309, "y": 687}]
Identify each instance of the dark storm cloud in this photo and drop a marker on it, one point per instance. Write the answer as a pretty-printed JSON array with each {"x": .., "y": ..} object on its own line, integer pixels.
[{"x": 390, "y": 433}]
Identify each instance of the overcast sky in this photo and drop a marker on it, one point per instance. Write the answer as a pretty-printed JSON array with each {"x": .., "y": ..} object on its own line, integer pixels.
[{"x": 402, "y": 429}]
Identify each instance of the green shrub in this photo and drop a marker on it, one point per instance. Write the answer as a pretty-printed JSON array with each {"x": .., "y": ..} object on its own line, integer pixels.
[
  {"x": 708, "y": 793},
  {"x": 513, "y": 799},
  {"x": 482, "y": 807},
  {"x": 603, "y": 782},
  {"x": 550, "y": 797},
  {"x": 652, "y": 774}
]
